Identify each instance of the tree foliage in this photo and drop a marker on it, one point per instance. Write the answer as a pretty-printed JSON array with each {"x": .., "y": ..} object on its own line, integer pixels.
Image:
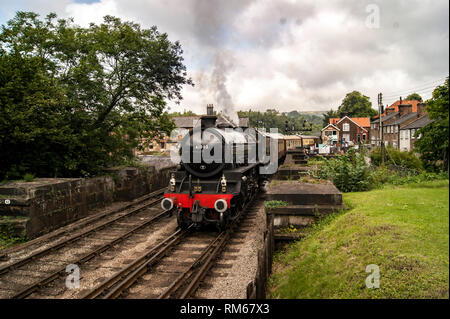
[
  {"x": 74, "y": 100},
  {"x": 396, "y": 158},
  {"x": 434, "y": 141},
  {"x": 296, "y": 122},
  {"x": 356, "y": 105},
  {"x": 328, "y": 115},
  {"x": 414, "y": 97}
]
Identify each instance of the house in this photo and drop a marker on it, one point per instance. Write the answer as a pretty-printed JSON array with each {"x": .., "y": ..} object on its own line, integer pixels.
[
  {"x": 396, "y": 116},
  {"x": 330, "y": 135},
  {"x": 407, "y": 132},
  {"x": 346, "y": 130},
  {"x": 389, "y": 115}
]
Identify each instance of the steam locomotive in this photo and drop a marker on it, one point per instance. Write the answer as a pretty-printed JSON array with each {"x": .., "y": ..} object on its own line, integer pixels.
[{"x": 213, "y": 189}]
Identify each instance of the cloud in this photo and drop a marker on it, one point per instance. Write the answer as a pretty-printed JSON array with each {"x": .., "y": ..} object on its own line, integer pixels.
[{"x": 303, "y": 55}]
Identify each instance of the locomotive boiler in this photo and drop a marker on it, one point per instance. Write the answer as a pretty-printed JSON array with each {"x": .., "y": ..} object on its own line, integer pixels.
[{"x": 219, "y": 172}]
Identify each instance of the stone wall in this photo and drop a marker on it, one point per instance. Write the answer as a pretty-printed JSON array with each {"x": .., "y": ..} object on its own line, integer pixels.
[{"x": 37, "y": 207}]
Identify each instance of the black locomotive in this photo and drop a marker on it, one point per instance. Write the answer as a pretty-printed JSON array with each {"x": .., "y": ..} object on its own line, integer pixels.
[{"x": 222, "y": 167}]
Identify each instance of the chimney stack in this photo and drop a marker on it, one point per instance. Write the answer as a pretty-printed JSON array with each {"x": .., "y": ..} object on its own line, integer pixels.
[
  {"x": 421, "y": 108},
  {"x": 208, "y": 120},
  {"x": 390, "y": 110},
  {"x": 209, "y": 109},
  {"x": 404, "y": 109}
]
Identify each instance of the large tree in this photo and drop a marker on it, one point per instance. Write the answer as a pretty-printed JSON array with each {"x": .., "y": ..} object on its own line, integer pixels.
[
  {"x": 86, "y": 94},
  {"x": 434, "y": 142},
  {"x": 356, "y": 105}
]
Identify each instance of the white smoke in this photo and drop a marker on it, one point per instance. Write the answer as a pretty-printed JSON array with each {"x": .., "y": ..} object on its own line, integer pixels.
[{"x": 223, "y": 63}]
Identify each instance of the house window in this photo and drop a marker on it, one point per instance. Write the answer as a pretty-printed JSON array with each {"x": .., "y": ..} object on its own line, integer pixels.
[
  {"x": 163, "y": 144},
  {"x": 334, "y": 133},
  {"x": 396, "y": 129},
  {"x": 346, "y": 127},
  {"x": 364, "y": 137},
  {"x": 413, "y": 131}
]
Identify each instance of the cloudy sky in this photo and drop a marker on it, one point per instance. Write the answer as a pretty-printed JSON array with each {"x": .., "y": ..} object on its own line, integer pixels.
[{"x": 286, "y": 54}]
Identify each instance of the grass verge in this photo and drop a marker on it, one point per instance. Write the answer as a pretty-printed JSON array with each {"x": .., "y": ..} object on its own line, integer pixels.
[{"x": 402, "y": 229}]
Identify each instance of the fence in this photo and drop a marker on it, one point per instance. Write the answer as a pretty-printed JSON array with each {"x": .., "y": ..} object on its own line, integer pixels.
[{"x": 256, "y": 289}]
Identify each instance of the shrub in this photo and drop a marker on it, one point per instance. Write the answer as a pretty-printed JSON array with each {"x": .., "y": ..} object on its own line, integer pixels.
[
  {"x": 28, "y": 177},
  {"x": 349, "y": 172},
  {"x": 397, "y": 158},
  {"x": 275, "y": 203}
]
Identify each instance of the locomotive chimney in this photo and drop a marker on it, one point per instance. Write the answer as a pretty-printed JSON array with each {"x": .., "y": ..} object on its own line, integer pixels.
[
  {"x": 208, "y": 120},
  {"x": 209, "y": 109}
]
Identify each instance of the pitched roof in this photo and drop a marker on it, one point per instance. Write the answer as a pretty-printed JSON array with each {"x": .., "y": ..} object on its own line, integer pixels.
[
  {"x": 395, "y": 105},
  {"x": 412, "y": 102},
  {"x": 292, "y": 137},
  {"x": 185, "y": 121},
  {"x": 330, "y": 125},
  {"x": 419, "y": 123},
  {"x": 402, "y": 119},
  {"x": 361, "y": 121},
  {"x": 334, "y": 120},
  {"x": 351, "y": 119},
  {"x": 385, "y": 118}
]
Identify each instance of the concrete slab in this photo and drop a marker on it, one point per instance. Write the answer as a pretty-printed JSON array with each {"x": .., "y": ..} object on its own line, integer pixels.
[
  {"x": 307, "y": 210},
  {"x": 296, "y": 193}
]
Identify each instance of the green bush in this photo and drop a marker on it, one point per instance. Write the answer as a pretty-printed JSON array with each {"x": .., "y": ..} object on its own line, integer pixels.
[
  {"x": 397, "y": 158},
  {"x": 349, "y": 172},
  {"x": 28, "y": 177},
  {"x": 383, "y": 175},
  {"x": 275, "y": 203}
]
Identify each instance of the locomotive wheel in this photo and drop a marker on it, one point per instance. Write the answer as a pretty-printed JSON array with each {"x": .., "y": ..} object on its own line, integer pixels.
[{"x": 223, "y": 221}]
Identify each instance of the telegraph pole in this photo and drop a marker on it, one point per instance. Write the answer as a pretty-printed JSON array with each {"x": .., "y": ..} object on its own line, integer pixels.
[{"x": 380, "y": 132}]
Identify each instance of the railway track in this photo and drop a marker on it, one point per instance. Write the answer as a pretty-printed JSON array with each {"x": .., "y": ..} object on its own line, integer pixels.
[
  {"x": 95, "y": 236},
  {"x": 172, "y": 269}
]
